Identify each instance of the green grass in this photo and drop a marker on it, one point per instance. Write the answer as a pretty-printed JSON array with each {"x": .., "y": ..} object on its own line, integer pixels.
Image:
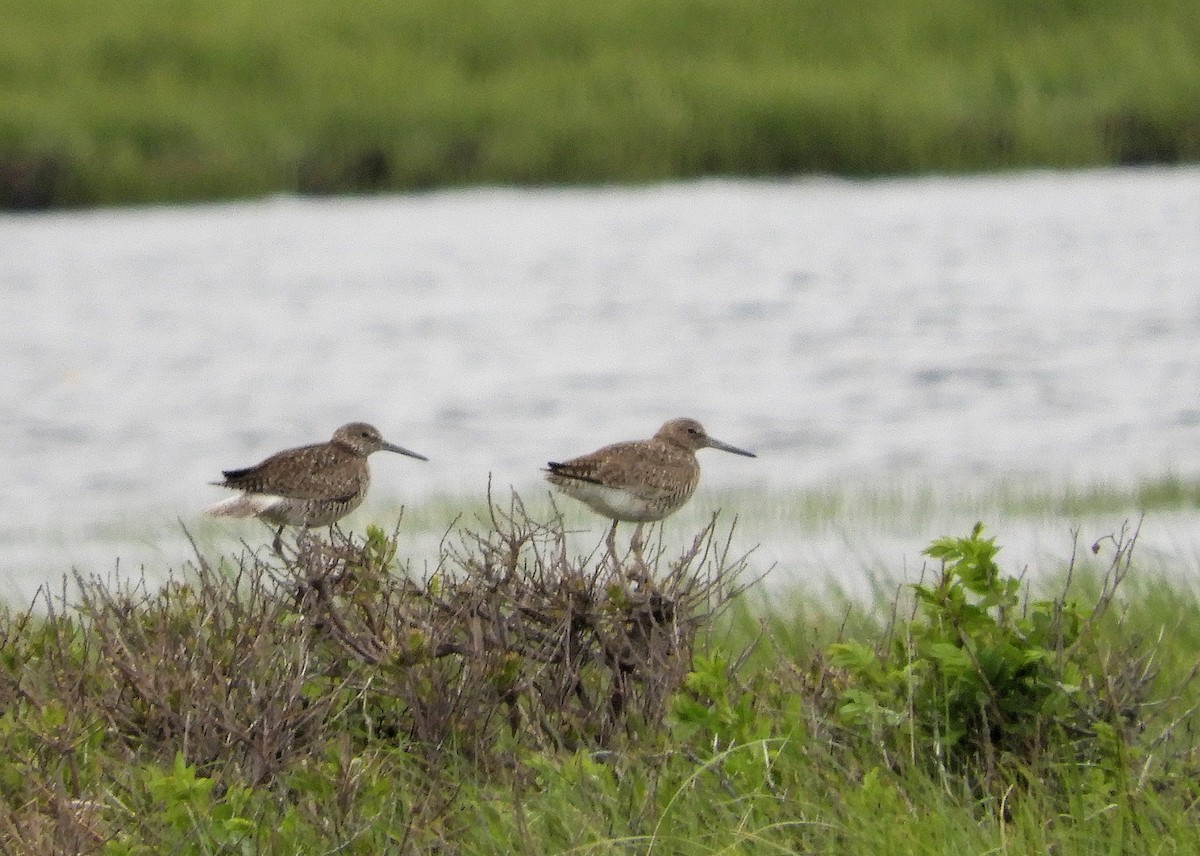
[
  {"x": 774, "y": 741},
  {"x": 132, "y": 101}
]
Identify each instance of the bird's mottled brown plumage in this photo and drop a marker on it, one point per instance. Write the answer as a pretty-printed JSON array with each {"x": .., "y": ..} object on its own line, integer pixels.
[
  {"x": 309, "y": 485},
  {"x": 642, "y": 480}
]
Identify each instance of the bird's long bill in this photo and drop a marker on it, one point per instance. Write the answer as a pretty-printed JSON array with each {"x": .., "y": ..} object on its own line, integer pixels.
[
  {"x": 392, "y": 447},
  {"x": 725, "y": 447}
]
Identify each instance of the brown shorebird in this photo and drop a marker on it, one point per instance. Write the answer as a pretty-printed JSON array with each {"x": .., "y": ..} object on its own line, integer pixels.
[
  {"x": 313, "y": 485},
  {"x": 640, "y": 481}
]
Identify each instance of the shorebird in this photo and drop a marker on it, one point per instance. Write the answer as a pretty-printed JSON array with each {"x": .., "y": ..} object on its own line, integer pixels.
[
  {"x": 307, "y": 486},
  {"x": 640, "y": 481}
]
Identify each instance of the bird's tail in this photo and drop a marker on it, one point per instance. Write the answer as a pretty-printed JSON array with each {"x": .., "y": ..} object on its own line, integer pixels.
[{"x": 242, "y": 505}]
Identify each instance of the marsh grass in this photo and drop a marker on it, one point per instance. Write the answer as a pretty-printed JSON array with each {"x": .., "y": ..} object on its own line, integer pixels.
[
  {"x": 122, "y": 101},
  {"x": 522, "y": 697}
]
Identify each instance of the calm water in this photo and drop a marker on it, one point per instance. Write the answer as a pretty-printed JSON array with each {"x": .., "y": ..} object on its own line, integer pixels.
[{"x": 1037, "y": 328}]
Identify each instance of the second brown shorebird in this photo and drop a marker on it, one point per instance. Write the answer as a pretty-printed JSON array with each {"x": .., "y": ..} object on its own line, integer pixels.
[
  {"x": 640, "y": 481},
  {"x": 307, "y": 486}
]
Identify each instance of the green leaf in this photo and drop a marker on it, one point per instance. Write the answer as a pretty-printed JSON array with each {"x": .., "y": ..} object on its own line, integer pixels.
[{"x": 952, "y": 659}]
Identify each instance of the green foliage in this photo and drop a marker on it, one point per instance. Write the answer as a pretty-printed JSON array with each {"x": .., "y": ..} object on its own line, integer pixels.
[
  {"x": 973, "y": 673},
  {"x": 710, "y": 709},
  {"x": 195, "y": 821},
  {"x": 273, "y": 713},
  {"x": 128, "y": 100}
]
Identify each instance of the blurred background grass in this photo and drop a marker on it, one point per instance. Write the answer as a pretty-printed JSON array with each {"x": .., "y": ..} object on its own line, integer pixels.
[{"x": 127, "y": 101}]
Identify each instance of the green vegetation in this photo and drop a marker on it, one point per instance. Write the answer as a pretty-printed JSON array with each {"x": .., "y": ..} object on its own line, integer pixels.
[
  {"x": 524, "y": 699},
  {"x": 115, "y": 101}
]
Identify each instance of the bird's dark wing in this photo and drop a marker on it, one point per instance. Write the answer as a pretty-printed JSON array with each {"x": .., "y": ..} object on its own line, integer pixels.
[{"x": 321, "y": 471}]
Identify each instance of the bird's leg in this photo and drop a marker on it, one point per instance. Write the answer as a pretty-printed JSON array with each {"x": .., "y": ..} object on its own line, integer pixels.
[
  {"x": 277, "y": 544},
  {"x": 611, "y": 540},
  {"x": 635, "y": 544},
  {"x": 639, "y": 575}
]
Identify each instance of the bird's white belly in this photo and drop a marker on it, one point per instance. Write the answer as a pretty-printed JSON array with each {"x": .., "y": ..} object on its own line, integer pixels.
[
  {"x": 247, "y": 505},
  {"x": 615, "y": 503}
]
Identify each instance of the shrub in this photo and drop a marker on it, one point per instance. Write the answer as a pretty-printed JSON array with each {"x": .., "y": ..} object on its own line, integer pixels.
[
  {"x": 976, "y": 676},
  {"x": 288, "y": 668}
]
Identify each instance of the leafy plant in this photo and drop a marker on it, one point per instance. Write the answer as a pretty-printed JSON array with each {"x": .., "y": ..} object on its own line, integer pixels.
[
  {"x": 973, "y": 672},
  {"x": 190, "y": 816},
  {"x": 711, "y": 707}
]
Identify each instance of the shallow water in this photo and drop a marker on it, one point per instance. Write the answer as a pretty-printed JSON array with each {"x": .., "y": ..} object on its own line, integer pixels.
[{"x": 1037, "y": 328}]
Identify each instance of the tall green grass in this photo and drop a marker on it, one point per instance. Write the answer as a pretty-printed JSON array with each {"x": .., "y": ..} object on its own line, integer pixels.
[
  {"x": 279, "y": 703},
  {"x": 133, "y": 101}
]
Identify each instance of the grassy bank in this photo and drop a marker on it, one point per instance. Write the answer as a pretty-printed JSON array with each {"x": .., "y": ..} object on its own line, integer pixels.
[
  {"x": 133, "y": 101},
  {"x": 524, "y": 699}
]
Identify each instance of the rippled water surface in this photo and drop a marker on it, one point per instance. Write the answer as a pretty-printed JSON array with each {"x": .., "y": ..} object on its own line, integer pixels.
[{"x": 1036, "y": 328}]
